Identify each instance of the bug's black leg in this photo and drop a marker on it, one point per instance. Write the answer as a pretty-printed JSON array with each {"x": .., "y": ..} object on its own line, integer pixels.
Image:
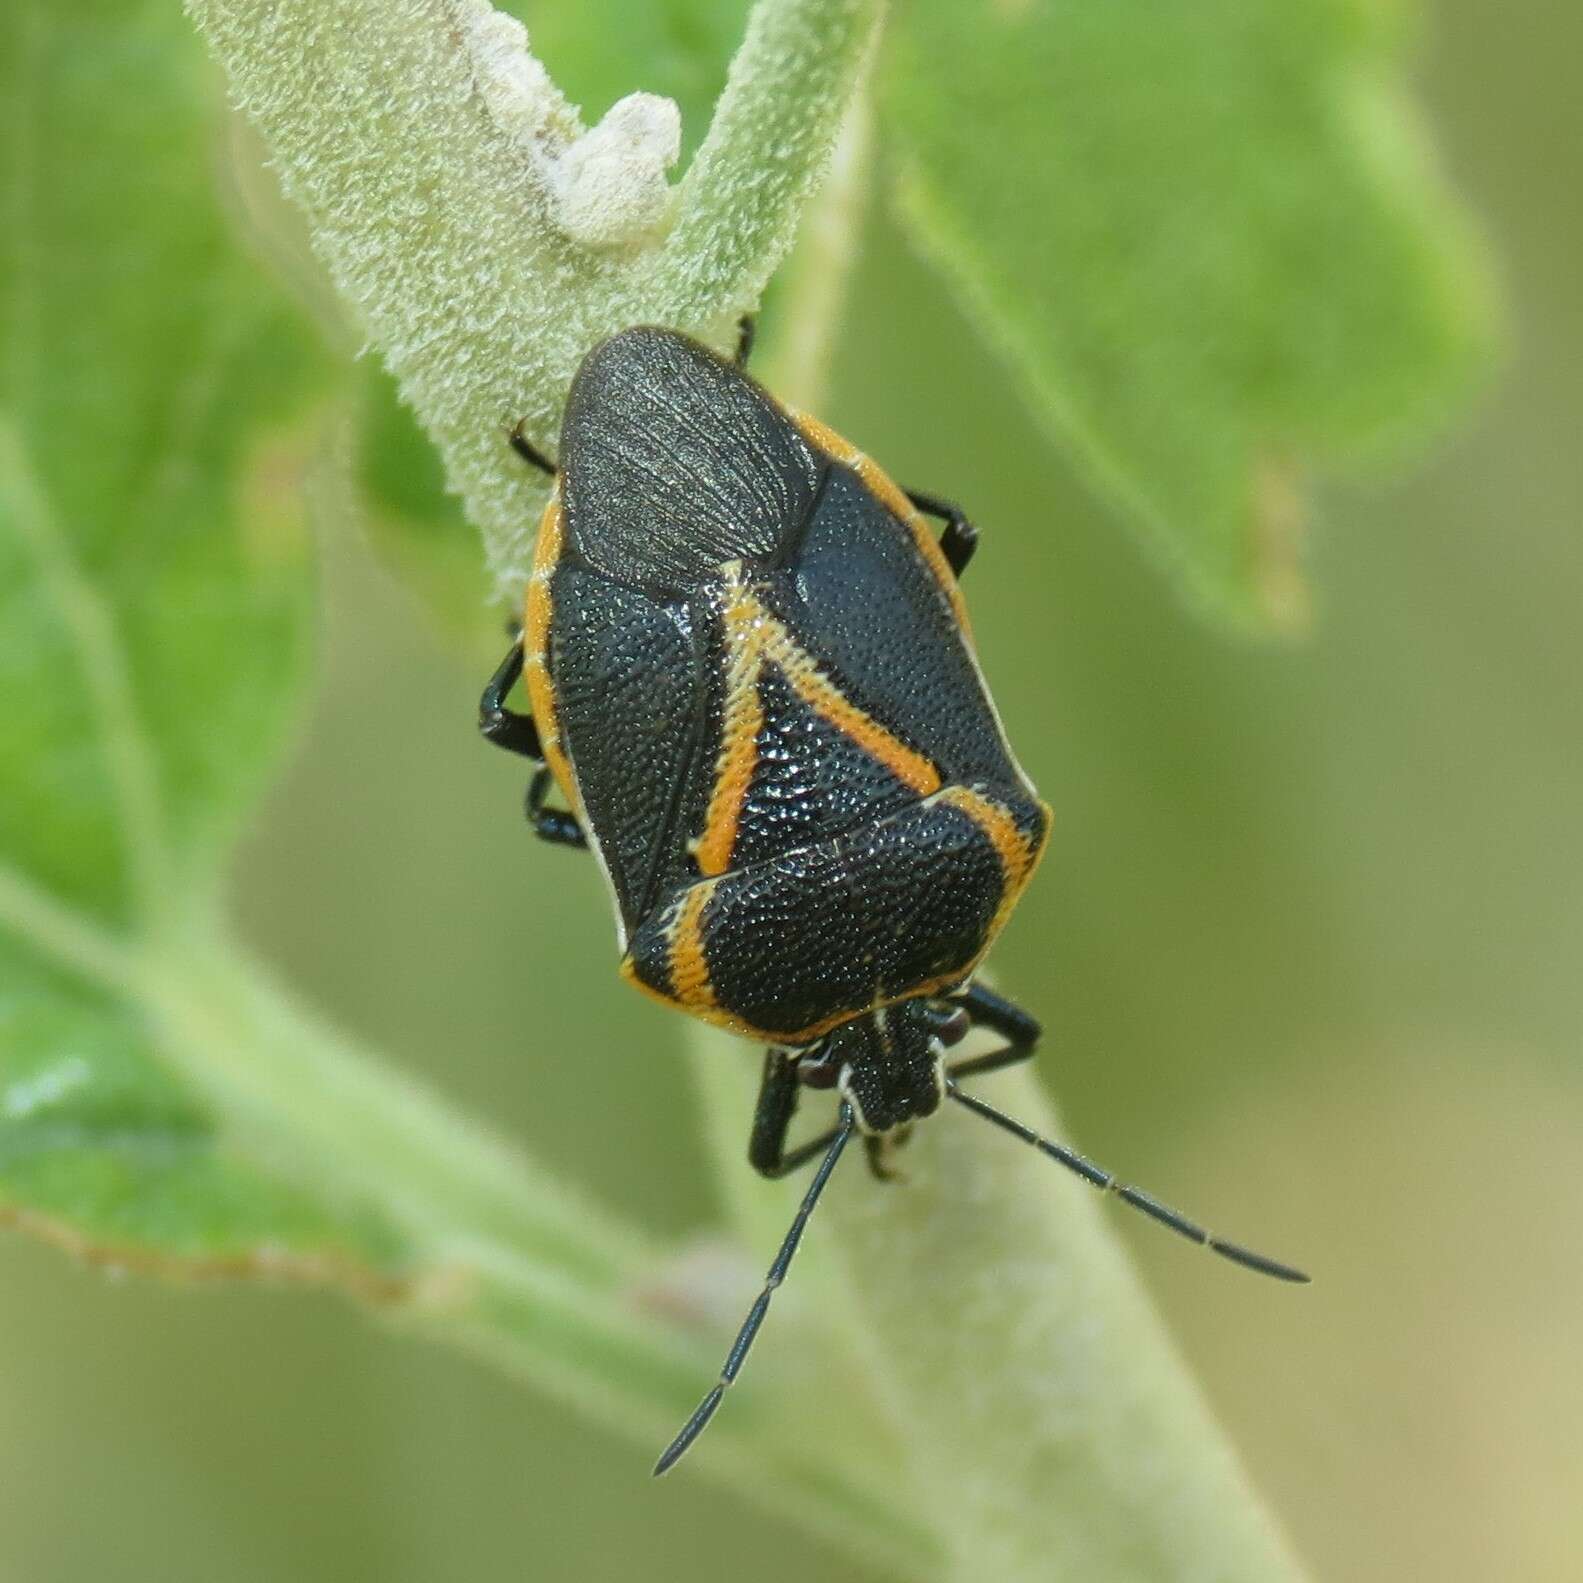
[
  {"x": 880, "y": 1148},
  {"x": 518, "y": 734},
  {"x": 747, "y": 328},
  {"x": 772, "y": 1119},
  {"x": 502, "y": 726},
  {"x": 737, "y": 1356},
  {"x": 528, "y": 451},
  {"x": 960, "y": 538},
  {"x": 1005, "y": 1017},
  {"x": 554, "y": 825}
]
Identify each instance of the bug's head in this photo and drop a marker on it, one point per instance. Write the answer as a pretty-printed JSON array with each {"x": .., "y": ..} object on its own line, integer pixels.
[{"x": 889, "y": 1063}]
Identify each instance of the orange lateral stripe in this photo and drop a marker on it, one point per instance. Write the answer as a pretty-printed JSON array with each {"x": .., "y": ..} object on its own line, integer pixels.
[
  {"x": 536, "y": 613},
  {"x": 689, "y": 968},
  {"x": 1018, "y": 857},
  {"x": 739, "y": 731},
  {"x": 823, "y": 438},
  {"x": 752, "y": 635},
  {"x": 880, "y": 484}
]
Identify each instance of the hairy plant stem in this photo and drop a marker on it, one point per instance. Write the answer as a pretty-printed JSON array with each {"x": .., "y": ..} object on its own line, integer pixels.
[
  {"x": 507, "y": 1261},
  {"x": 998, "y": 1366}
]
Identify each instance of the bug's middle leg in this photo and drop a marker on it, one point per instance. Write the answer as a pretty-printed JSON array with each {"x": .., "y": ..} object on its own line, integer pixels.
[
  {"x": 747, "y": 330},
  {"x": 507, "y": 729},
  {"x": 517, "y": 733},
  {"x": 772, "y": 1118},
  {"x": 960, "y": 538}
]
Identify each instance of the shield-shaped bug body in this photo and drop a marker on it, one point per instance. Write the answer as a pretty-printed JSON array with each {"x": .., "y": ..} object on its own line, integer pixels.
[{"x": 753, "y": 685}]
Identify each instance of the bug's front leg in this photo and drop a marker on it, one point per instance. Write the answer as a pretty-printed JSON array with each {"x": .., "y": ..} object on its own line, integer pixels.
[
  {"x": 986, "y": 1009},
  {"x": 747, "y": 329},
  {"x": 529, "y": 452},
  {"x": 772, "y": 1118},
  {"x": 960, "y": 538}
]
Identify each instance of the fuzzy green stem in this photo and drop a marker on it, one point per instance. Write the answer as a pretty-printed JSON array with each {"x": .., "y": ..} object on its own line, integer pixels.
[
  {"x": 1047, "y": 1423},
  {"x": 721, "y": 252},
  {"x": 446, "y": 186},
  {"x": 506, "y": 1261}
]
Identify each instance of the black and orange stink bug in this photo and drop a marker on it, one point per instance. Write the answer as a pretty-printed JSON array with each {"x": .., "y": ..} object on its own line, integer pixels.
[{"x": 753, "y": 684}]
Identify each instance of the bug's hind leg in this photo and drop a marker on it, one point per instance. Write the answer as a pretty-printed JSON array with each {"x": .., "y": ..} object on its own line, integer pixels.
[
  {"x": 772, "y": 1118},
  {"x": 960, "y": 538},
  {"x": 986, "y": 1009},
  {"x": 554, "y": 825}
]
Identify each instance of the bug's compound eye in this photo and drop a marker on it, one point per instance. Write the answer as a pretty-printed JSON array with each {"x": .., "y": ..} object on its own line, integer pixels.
[
  {"x": 951, "y": 1024},
  {"x": 817, "y": 1069}
]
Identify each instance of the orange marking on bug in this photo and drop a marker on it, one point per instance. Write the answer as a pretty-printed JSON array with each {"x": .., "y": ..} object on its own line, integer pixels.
[
  {"x": 884, "y": 489},
  {"x": 537, "y": 608},
  {"x": 753, "y": 635},
  {"x": 1018, "y": 855},
  {"x": 689, "y": 967},
  {"x": 743, "y": 719},
  {"x": 827, "y": 701},
  {"x": 823, "y": 438}
]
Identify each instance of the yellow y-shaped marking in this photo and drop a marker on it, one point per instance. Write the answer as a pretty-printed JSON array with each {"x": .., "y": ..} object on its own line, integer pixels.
[{"x": 754, "y": 637}]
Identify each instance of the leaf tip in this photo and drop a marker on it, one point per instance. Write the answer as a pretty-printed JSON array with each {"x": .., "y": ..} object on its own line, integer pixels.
[{"x": 1278, "y": 532}]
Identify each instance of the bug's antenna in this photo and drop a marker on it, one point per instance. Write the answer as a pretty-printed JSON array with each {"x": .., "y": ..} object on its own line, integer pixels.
[
  {"x": 1170, "y": 1218},
  {"x": 696, "y": 1425}
]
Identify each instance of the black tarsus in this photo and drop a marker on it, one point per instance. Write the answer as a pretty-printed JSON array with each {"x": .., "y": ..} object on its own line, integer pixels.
[
  {"x": 1097, "y": 1176},
  {"x": 528, "y": 451},
  {"x": 737, "y": 1356},
  {"x": 554, "y": 825},
  {"x": 960, "y": 538},
  {"x": 518, "y": 734},
  {"x": 747, "y": 329}
]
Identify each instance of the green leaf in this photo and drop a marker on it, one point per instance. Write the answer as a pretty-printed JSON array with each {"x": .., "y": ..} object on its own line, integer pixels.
[
  {"x": 144, "y": 367},
  {"x": 1209, "y": 238},
  {"x": 107, "y": 1154},
  {"x": 154, "y": 590},
  {"x": 164, "y": 1104}
]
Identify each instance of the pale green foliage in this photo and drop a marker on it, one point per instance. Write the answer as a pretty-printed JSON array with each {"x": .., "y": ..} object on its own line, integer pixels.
[
  {"x": 1208, "y": 237},
  {"x": 164, "y": 1105},
  {"x": 149, "y": 645},
  {"x": 1036, "y": 1407},
  {"x": 1008, "y": 1401}
]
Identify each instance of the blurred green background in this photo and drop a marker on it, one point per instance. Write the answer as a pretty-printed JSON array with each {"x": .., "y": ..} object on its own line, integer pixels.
[{"x": 1308, "y": 942}]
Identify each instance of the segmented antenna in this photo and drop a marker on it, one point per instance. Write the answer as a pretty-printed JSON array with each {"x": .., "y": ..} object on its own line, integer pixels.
[
  {"x": 1171, "y": 1219},
  {"x": 735, "y": 1358}
]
